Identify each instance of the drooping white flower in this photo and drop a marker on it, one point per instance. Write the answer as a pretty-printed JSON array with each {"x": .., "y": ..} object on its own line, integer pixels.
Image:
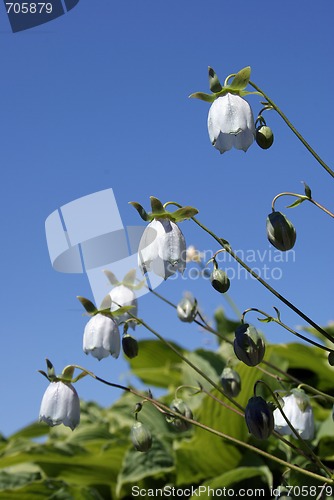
[
  {"x": 231, "y": 123},
  {"x": 60, "y": 405},
  {"x": 299, "y": 411},
  {"x": 102, "y": 337},
  {"x": 121, "y": 295},
  {"x": 162, "y": 248}
]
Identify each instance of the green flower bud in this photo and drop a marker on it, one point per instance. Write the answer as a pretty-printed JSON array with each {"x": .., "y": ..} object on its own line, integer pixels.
[
  {"x": 264, "y": 137},
  {"x": 219, "y": 280},
  {"x": 187, "y": 309},
  {"x": 180, "y": 406},
  {"x": 249, "y": 345},
  {"x": 141, "y": 437},
  {"x": 231, "y": 382},
  {"x": 259, "y": 418},
  {"x": 280, "y": 231},
  {"x": 130, "y": 346}
]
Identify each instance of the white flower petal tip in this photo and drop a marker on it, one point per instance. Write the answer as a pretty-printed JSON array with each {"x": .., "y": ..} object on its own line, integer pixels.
[
  {"x": 231, "y": 123},
  {"x": 121, "y": 296},
  {"x": 101, "y": 337},
  {"x": 60, "y": 405},
  {"x": 299, "y": 412},
  {"x": 162, "y": 249}
]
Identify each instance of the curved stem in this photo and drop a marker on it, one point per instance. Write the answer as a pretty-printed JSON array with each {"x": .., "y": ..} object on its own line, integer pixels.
[
  {"x": 294, "y": 130},
  {"x": 302, "y": 197},
  {"x": 283, "y": 325}
]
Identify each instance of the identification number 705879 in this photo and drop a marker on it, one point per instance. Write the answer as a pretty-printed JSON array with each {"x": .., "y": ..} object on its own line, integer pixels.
[{"x": 29, "y": 8}]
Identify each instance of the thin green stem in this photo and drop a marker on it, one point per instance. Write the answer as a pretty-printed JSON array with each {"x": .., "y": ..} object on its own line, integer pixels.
[
  {"x": 303, "y": 443},
  {"x": 283, "y": 325},
  {"x": 168, "y": 411},
  {"x": 294, "y": 130},
  {"x": 302, "y": 197},
  {"x": 263, "y": 282}
]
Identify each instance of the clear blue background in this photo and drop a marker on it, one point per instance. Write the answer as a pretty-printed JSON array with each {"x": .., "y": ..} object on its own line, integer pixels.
[{"x": 98, "y": 98}]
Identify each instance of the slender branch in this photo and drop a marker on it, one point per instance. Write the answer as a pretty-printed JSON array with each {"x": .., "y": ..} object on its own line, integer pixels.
[
  {"x": 294, "y": 130},
  {"x": 302, "y": 197}
]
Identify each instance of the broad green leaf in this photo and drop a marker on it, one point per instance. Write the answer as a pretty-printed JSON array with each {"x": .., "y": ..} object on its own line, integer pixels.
[
  {"x": 237, "y": 475},
  {"x": 157, "y": 365},
  {"x": 158, "y": 461},
  {"x": 220, "y": 455},
  {"x": 308, "y": 363},
  {"x": 209, "y": 363},
  {"x": 34, "y": 430}
]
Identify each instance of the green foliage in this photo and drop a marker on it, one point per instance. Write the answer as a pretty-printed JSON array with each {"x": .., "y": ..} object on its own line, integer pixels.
[{"x": 97, "y": 460}]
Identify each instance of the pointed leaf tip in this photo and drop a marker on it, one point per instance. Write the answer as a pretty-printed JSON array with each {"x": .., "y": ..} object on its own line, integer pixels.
[
  {"x": 142, "y": 212},
  {"x": 156, "y": 205},
  {"x": 88, "y": 305},
  {"x": 214, "y": 82},
  {"x": 307, "y": 189}
]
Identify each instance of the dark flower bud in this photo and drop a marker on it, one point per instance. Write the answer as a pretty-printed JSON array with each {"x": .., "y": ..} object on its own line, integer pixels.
[
  {"x": 187, "y": 309},
  {"x": 264, "y": 137},
  {"x": 231, "y": 382},
  {"x": 130, "y": 346},
  {"x": 280, "y": 231},
  {"x": 180, "y": 406},
  {"x": 141, "y": 437},
  {"x": 219, "y": 280},
  {"x": 249, "y": 345},
  {"x": 259, "y": 418}
]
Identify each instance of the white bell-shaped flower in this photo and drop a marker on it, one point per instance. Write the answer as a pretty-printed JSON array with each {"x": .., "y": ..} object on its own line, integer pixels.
[
  {"x": 162, "y": 248},
  {"x": 102, "y": 337},
  {"x": 231, "y": 123},
  {"x": 60, "y": 405},
  {"x": 299, "y": 411},
  {"x": 121, "y": 296}
]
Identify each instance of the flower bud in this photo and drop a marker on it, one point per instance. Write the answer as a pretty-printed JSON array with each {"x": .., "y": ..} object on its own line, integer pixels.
[
  {"x": 130, "y": 346},
  {"x": 249, "y": 345},
  {"x": 219, "y": 280},
  {"x": 264, "y": 137},
  {"x": 280, "y": 231},
  {"x": 259, "y": 418},
  {"x": 231, "y": 382},
  {"x": 187, "y": 309},
  {"x": 180, "y": 406},
  {"x": 141, "y": 437}
]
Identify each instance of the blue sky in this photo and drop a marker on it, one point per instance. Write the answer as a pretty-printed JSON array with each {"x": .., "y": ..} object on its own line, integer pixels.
[{"x": 98, "y": 99}]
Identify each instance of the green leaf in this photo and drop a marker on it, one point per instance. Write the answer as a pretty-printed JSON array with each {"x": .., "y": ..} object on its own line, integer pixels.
[
  {"x": 184, "y": 213},
  {"x": 265, "y": 320},
  {"x": 67, "y": 373},
  {"x": 130, "y": 277},
  {"x": 241, "y": 79},
  {"x": 88, "y": 305},
  {"x": 203, "y": 97},
  {"x": 111, "y": 277},
  {"x": 220, "y": 455},
  {"x": 157, "y": 462},
  {"x": 31, "y": 431},
  {"x": 237, "y": 475},
  {"x": 307, "y": 189},
  {"x": 296, "y": 203},
  {"x": 157, "y": 365},
  {"x": 214, "y": 82},
  {"x": 157, "y": 206},
  {"x": 142, "y": 212}
]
